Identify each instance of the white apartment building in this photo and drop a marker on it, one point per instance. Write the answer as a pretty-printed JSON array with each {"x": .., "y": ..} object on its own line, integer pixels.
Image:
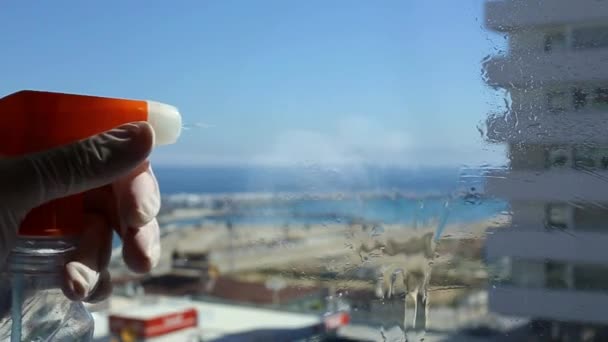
[{"x": 552, "y": 262}]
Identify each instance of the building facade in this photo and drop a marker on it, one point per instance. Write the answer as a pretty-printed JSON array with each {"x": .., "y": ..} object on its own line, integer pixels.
[{"x": 551, "y": 264}]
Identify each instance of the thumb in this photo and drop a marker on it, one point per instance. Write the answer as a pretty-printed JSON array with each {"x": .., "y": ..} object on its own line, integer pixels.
[{"x": 87, "y": 164}]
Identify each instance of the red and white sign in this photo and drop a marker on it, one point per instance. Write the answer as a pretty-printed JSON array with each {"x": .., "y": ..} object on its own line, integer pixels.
[
  {"x": 145, "y": 327},
  {"x": 336, "y": 320}
]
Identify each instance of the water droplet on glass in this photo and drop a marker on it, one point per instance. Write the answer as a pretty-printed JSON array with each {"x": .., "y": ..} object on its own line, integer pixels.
[
  {"x": 472, "y": 196},
  {"x": 376, "y": 231},
  {"x": 442, "y": 220}
]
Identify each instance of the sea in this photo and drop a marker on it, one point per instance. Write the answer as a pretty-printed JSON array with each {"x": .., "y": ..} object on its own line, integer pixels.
[
  {"x": 308, "y": 179},
  {"x": 402, "y": 195},
  {"x": 411, "y": 197}
]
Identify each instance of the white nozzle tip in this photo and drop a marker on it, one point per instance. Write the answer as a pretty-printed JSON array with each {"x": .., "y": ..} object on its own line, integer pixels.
[{"x": 166, "y": 122}]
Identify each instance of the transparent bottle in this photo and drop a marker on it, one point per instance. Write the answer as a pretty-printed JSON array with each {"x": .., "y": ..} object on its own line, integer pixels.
[{"x": 35, "y": 308}]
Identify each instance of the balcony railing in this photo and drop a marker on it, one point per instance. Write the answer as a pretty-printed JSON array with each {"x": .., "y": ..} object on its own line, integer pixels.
[
  {"x": 562, "y": 305},
  {"x": 508, "y": 15},
  {"x": 568, "y": 185},
  {"x": 570, "y": 245},
  {"x": 534, "y": 69},
  {"x": 569, "y": 127}
]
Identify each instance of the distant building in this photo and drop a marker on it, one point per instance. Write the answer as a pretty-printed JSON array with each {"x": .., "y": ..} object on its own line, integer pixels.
[
  {"x": 226, "y": 289},
  {"x": 552, "y": 263}
]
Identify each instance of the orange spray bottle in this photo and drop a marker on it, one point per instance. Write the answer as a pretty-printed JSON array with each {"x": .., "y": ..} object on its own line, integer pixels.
[{"x": 34, "y": 121}]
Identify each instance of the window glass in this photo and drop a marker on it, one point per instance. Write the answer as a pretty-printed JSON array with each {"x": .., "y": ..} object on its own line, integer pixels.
[
  {"x": 347, "y": 170},
  {"x": 528, "y": 273},
  {"x": 591, "y": 277},
  {"x": 600, "y": 98},
  {"x": 555, "y": 41},
  {"x": 558, "y": 157},
  {"x": 590, "y": 37},
  {"x": 590, "y": 217},
  {"x": 579, "y": 98},
  {"x": 500, "y": 270},
  {"x": 558, "y": 216},
  {"x": 557, "y": 101},
  {"x": 557, "y": 275},
  {"x": 587, "y": 157},
  {"x": 591, "y": 157},
  {"x": 591, "y": 98}
]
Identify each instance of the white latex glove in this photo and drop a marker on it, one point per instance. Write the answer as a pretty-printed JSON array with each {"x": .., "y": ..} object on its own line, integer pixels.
[{"x": 121, "y": 193}]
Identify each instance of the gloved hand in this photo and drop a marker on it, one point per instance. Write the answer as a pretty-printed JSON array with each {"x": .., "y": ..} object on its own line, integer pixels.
[{"x": 121, "y": 193}]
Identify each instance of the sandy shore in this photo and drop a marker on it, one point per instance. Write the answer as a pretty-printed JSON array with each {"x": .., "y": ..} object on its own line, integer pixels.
[
  {"x": 337, "y": 255},
  {"x": 335, "y": 247}
]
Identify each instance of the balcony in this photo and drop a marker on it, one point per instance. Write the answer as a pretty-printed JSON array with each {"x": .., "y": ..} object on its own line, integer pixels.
[
  {"x": 561, "y": 305},
  {"x": 535, "y": 69},
  {"x": 509, "y": 15},
  {"x": 568, "y": 185},
  {"x": 573, "y": 246},
  {"x": 573, "y": 127}
]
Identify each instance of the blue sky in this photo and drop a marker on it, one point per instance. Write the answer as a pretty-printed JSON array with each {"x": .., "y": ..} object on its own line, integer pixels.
[{"x": 273, "y": 82}]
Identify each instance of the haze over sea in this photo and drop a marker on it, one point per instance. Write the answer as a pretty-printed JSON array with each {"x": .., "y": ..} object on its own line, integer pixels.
[
  {"x": 425, "y": 192},
  {"x": 305, "y": 179}
]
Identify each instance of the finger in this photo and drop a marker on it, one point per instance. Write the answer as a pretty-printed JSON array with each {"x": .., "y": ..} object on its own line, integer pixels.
[
  {"x": 137, "y": 197},
  {"x": 103, "y": 289},
  {"x": 92, "y": 256},
  {"x": 84, "y": 165},
  {"x": 141, "y": 247},
  {"x": 102, "y": 201}
]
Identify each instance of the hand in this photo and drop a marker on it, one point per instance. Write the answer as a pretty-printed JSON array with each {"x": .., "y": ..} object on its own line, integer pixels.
[{"x": 121, "y": 193}]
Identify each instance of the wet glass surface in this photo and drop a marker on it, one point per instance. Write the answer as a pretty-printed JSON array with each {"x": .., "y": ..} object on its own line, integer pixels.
[{"x": 369, "y": 171}]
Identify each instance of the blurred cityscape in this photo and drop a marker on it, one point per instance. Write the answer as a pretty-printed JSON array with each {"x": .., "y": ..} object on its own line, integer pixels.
[{"x": 509, "y": 254}]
